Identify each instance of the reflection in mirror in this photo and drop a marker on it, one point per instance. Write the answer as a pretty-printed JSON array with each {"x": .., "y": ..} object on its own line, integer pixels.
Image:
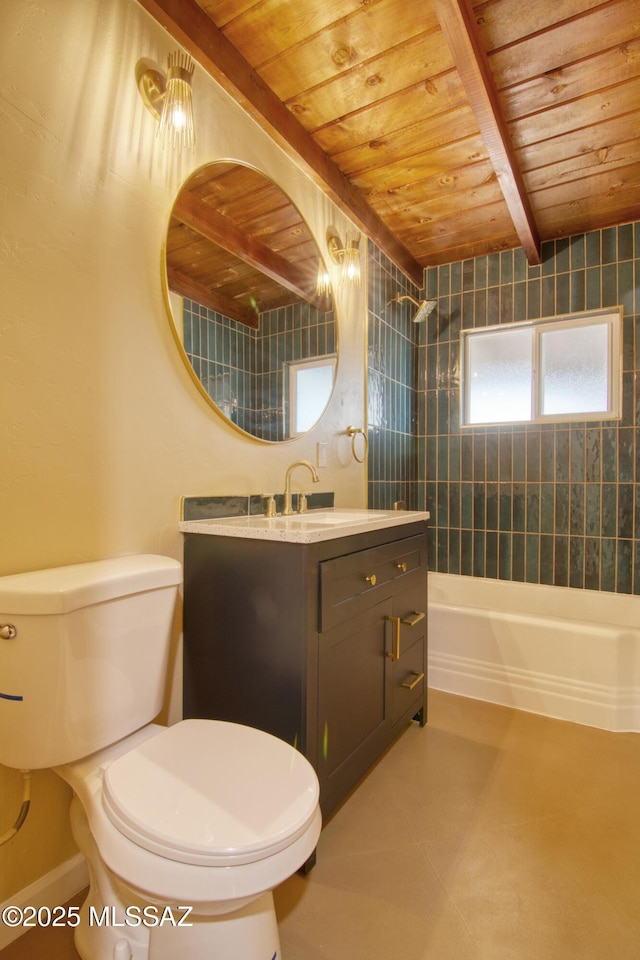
[{"x": 241, "y": 268}]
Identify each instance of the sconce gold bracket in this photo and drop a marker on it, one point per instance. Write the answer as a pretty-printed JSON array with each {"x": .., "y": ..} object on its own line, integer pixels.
[
  {"x": 335, "y": 248},
  {"x": 152, "y": 87}
]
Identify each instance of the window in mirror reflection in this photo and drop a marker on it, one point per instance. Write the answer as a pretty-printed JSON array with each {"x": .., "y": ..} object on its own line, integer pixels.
[
  {"x": 245, "y": 371},
  {"x": 310, "y": 386}
]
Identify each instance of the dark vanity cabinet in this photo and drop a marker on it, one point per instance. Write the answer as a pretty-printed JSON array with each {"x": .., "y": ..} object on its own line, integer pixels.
[{"x": 322, "y": 644}]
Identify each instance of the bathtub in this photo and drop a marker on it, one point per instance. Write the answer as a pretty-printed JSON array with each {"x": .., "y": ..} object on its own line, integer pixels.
[{"x": 565, "y": 653}]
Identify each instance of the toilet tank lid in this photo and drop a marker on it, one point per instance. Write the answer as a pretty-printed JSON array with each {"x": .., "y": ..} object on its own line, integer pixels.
[{"x": 63, "y": 589}]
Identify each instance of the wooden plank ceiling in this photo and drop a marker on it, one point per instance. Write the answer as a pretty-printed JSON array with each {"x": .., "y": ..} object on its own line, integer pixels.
[{"x": 444, "y": 128}]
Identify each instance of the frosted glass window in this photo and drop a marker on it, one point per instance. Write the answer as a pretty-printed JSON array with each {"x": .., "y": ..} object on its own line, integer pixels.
[
  {"x": 500, "y": 376},
  {"x": 558, "y": 368},
  {"x": 575, "y": 370},
  {"x": 310, "y": 386}
]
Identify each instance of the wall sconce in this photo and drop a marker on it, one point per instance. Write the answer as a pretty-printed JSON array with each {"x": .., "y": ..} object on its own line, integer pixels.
[
  {"x": 346, "y": 258},
  {"x": 323, "y": 284},
  {"x": 169, "y": 100}
]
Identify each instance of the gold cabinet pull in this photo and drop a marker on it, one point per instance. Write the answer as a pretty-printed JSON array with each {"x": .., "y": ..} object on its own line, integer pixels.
[
  {"x": 416, "y": 618},
  {"x": 372, "y": 579},
  {"x": 414, "y": 683},
  {"x": 395, "y": 648},
  {"x": 402, "y": 566}
]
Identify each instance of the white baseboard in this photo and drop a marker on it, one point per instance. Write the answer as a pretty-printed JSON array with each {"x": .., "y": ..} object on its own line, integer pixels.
[
  {"x": 52, "y": 890},
  {"x": 563, "y": 698}
]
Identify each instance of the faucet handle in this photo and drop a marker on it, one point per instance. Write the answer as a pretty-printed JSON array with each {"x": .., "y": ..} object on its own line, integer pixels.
[
  {"x": 302, "y": 503},
  {"x": 270, "y": 506}
]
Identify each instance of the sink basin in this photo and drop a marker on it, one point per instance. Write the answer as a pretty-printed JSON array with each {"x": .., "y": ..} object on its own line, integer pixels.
[{"x": 318, "y": 516}]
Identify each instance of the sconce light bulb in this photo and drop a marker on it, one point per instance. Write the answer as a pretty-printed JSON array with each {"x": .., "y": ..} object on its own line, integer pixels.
[{"x": 176, "y": 122}]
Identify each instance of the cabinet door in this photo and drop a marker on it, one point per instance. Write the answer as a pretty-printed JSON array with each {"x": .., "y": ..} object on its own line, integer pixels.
[{"x": 352, "y": 701}]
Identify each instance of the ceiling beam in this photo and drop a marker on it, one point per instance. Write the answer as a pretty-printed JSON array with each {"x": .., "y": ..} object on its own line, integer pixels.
[
  {"x": 458, "y": 24},
  {"x": 222, "y": 232},
  {"x": 180, "y": 283},
  {"x": 197, "y": 33}
]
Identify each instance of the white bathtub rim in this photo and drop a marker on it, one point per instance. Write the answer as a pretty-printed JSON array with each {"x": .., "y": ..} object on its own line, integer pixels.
[
  {"x": 517, "y": 656},
  {"x": 543, "y": 600}
]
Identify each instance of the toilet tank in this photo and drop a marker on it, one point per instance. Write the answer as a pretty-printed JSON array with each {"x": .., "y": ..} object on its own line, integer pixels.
[{"x": 88, "y": 662}]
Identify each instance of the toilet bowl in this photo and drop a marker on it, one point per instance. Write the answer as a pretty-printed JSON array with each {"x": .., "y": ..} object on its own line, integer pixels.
[{"x": 186, "y": 829}]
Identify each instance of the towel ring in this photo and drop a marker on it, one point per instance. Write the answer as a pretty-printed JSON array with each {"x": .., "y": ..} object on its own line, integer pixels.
[{"x": 353, "y": 433}]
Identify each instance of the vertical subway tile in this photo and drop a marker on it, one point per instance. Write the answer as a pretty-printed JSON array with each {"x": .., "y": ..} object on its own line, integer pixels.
[
  {"x": 533, "y": 507},
  {"x": 592, "y": 510},
  {"x": 609, "y": 245},
  {"x": 478, "y": 553},
  {"x": 492, "y": 506},
  {"x": 492, "y": 456},
  {"x": 624, "y": 581},
  {"x": 576, "y": 509},
  {"x": 594, "y": 293},
  {"x": 479, "y": 506},
  {"x": 608, "y": 548},
  {"x": 547, "y": 508},
  {"x": 533, "y": 456},
  {"x": 518, "y": 463},
  {"x": 517, "y": 557},
  {"x": 547, "y": 455},
  {"x": 562, "y": 508},
  {"x": 577, "y": 252},
  {"x": 466, "y": 512},
  {"x": 505, "y": 457},
  {"x": 578, "y": 291},
  {"x": 546, "y": 559},
  {"x": 466, "y": 553},
  {"x": 454, "y": 551},
  {"x": 505, "y": 506},
  {"x": 625, "y": 511},
  {"x": 519, "y": 506},
  {"x": 519, "y": 264},
  {"x": 504, "y": 556},
  {"x": 577, "y": 454},
  {"x": 562, "y": 455},
  {"x": 561, "y": 561},
  {"x": 593, "y": 248},
  {"x": 592, "y": 564},
  {"x": 609, "y": 510},
  {"x": 576, "y": 562},
  {"x": 491, "y": 555},
  {"x": 532, "y": 559}
]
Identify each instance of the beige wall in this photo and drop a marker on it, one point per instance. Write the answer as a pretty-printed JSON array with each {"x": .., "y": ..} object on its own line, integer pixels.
[{"x": 101, "y": 428}]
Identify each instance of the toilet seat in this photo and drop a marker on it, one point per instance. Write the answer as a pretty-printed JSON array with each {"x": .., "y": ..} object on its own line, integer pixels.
[{"x": 212, "y": 793}]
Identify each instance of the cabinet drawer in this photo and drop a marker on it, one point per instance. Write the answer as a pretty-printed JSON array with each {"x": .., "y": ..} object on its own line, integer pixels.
[
  {"x": 349, "y": 585},
  {"x": 408, "y": 681}
]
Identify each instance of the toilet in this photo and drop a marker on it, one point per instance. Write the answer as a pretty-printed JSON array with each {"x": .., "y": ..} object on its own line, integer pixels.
[{"x": 186, "y": 829}]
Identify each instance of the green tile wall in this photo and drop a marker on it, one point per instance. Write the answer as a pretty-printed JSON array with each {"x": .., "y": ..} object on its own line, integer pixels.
[
  {"x": 241, "y": 368},
  {"x": 556, "y": 504},
  {"x": 392, "y": 388}
]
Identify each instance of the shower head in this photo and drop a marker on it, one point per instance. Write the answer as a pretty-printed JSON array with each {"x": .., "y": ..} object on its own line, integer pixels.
[{"x": 425, "y": 307}]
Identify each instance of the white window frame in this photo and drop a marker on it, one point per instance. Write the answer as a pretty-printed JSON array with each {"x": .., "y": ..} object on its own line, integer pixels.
[
  {"x": 327, "y": 360},
  {"x": 612, "y": 316}
]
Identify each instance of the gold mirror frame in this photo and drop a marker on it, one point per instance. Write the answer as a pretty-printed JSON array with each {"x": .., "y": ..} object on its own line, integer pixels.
[{"x": 241, "y": 266}]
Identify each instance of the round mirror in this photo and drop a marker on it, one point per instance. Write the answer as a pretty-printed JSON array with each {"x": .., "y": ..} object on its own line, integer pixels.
[{"x": 241, "y": 270}]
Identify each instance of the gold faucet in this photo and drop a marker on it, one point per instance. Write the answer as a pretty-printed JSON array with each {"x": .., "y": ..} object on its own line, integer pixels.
[{"x": 286, "y": 509}]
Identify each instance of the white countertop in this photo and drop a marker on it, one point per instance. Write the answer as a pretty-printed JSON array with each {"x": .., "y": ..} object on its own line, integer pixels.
[{"x": 311, "y": 527}]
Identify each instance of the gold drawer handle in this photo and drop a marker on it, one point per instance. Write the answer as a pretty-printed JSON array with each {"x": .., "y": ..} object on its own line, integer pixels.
[
  {"x": 416, "y": 618},
  {"x": 372, "y": 579},
  {"x": 415, "y": 682},
  {"x": 402, "y": 566}
]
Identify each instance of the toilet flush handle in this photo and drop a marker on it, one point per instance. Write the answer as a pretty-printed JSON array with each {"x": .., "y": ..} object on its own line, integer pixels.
[{"x": 7, "y": 631}]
